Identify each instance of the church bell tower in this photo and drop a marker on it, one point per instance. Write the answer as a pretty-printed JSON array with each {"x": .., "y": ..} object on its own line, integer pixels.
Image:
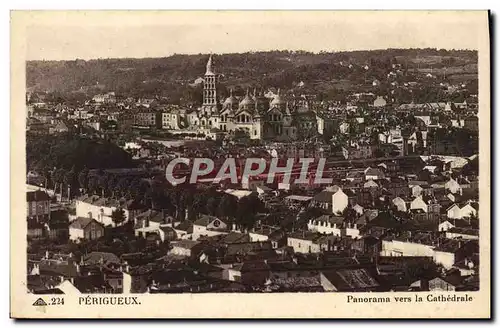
[{"x": 210, "y": 86}]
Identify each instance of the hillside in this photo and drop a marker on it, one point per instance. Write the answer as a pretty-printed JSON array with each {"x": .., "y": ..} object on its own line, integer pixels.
[{"x": 171, "y": 76}]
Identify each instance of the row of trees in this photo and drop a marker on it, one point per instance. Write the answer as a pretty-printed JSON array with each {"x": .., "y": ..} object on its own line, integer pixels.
[{"x": 182, "y": 202}]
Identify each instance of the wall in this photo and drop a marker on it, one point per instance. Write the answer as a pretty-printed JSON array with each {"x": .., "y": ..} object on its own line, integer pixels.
[
  {"x": 444, "y": 258},
  {"x": 303, "y": 246},
  {"x": 401, "y": 248},
  {"x": 75, "y": 234},
  {"x": 257, "y": 237}
]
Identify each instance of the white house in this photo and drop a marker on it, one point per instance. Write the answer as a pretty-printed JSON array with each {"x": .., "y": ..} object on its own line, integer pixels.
[
  {"x": 85, "y": 228},
  {"x": 444, "y": 257},
  {"x": 370, "y": 184},
  {"x": 454, "y": 212},
  {"x": 453, "y": 186},
  {"x": 400, "y": 204},
  {"x": 469, "y": 210},
  {"x": 303, "y": 242},
  {"x": 184, "y": 248},
  {"x": 374, "y": 174},
  {"x": 445, "y": 226},
  {"x": 340, "y": 201},
  {"x": 416, "y": 190},
  {"x": 99, "y": 208},
  {"x": 419, "y": 203},
  {"x": 358, "y": 209},
  {"x": 326, "y": 224},
  {"x": 209, "y": 226},
  {"x": 405, "y": 248}
]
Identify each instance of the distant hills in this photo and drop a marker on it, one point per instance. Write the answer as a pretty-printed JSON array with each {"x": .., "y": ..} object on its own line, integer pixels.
[{"x": 172, "y": 77}]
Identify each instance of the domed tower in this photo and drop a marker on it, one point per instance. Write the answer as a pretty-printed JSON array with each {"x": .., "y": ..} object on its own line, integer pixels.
[
  {"x": 229, "y": 108},
  {"x": 277, "y": 102},
  {"x": 231, "y": 102},
  {"x": 247, "y": 103}
]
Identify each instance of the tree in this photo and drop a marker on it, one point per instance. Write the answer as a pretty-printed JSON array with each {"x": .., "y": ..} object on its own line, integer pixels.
[
  {"x": 118, "y": 216},
  {"x": 83, "y": 178},
  {"x": 228, "y": 206}
]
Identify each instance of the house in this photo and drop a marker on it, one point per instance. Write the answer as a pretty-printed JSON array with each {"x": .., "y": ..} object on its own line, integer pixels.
[
  {"x": 38, "y": 204},
  {"x": 187, "y": 248},
  {"x": 445, "y": 225},
  {"x": 326, "y": 224},
  {"x": 348, "y": 280},
  {"x": 422, "y": 190},
  {"x": 366, "y": 217},
  {"x": 152, "y": 222},
  {"x": 208, "y": 226},
  {"x": 101, "y": 208},
  {"x": 85, "y": 228},
  {"x": 453, "y": 186},
  {"x": 400, "y": 204},
  {"x": 370, "y": 184},
  {"x": 94, "y": 283},
  {"x": 454, "y": 212},
  {"x": 446, "y": 284},
  {"x": 184, "y": 229},
  {"x": 379, "y": 102},
  {"x": 101, "y": 258},
  {"x": 250, "y": 273},
  {"x": 419, "y": 203},
  {"x": 165, "y": 233},
  {"x": 358, "y": 209},
  {"x": 303, "y": 242},
  {"x": 374, "y": 174},
  {"x": 469, "y": 210},
  {"x": 446, "y": 252},
  {"x": 418, "y": 244},
  {"x": 275, "y": 235},
  {"x": 323, "y": 199},
  {"x": 344, "y": 128},
  {"x": 340, "y": 201}
]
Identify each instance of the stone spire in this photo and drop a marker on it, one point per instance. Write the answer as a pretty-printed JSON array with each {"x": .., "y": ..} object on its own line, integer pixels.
[{"x": 210, "y": 70}]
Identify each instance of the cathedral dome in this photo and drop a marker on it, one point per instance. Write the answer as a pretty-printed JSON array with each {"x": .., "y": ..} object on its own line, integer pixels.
[
  {"x": 247, "y": 101},
  {"x": 231, "y": 100}
]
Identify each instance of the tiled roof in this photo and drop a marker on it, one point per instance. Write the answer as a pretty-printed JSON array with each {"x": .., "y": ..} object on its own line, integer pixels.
[
  {"x": 81, "y": 223},
  {"x": 351, "y": 279},
  {"x": 98, "y": 257}
]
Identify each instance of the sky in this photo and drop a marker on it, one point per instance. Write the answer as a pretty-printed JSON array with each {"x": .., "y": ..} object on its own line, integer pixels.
[{"x": 100, "y": 34}]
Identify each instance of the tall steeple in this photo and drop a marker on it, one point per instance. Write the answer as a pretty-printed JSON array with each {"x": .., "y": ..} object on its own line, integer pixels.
[{"x": 210, "y": 85}]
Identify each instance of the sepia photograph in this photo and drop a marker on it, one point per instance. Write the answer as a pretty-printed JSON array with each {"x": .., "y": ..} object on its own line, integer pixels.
[{"x": 326, "y": 157}]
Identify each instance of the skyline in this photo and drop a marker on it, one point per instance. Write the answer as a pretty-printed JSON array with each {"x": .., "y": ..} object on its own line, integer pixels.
[{"x": 93, "y": 35}]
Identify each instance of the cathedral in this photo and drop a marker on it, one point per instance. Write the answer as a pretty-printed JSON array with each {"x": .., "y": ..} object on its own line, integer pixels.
[{"x": 260, "y": 117}]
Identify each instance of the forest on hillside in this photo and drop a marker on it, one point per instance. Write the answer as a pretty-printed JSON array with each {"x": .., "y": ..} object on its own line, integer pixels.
[{"x": 173, "y": 77}]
